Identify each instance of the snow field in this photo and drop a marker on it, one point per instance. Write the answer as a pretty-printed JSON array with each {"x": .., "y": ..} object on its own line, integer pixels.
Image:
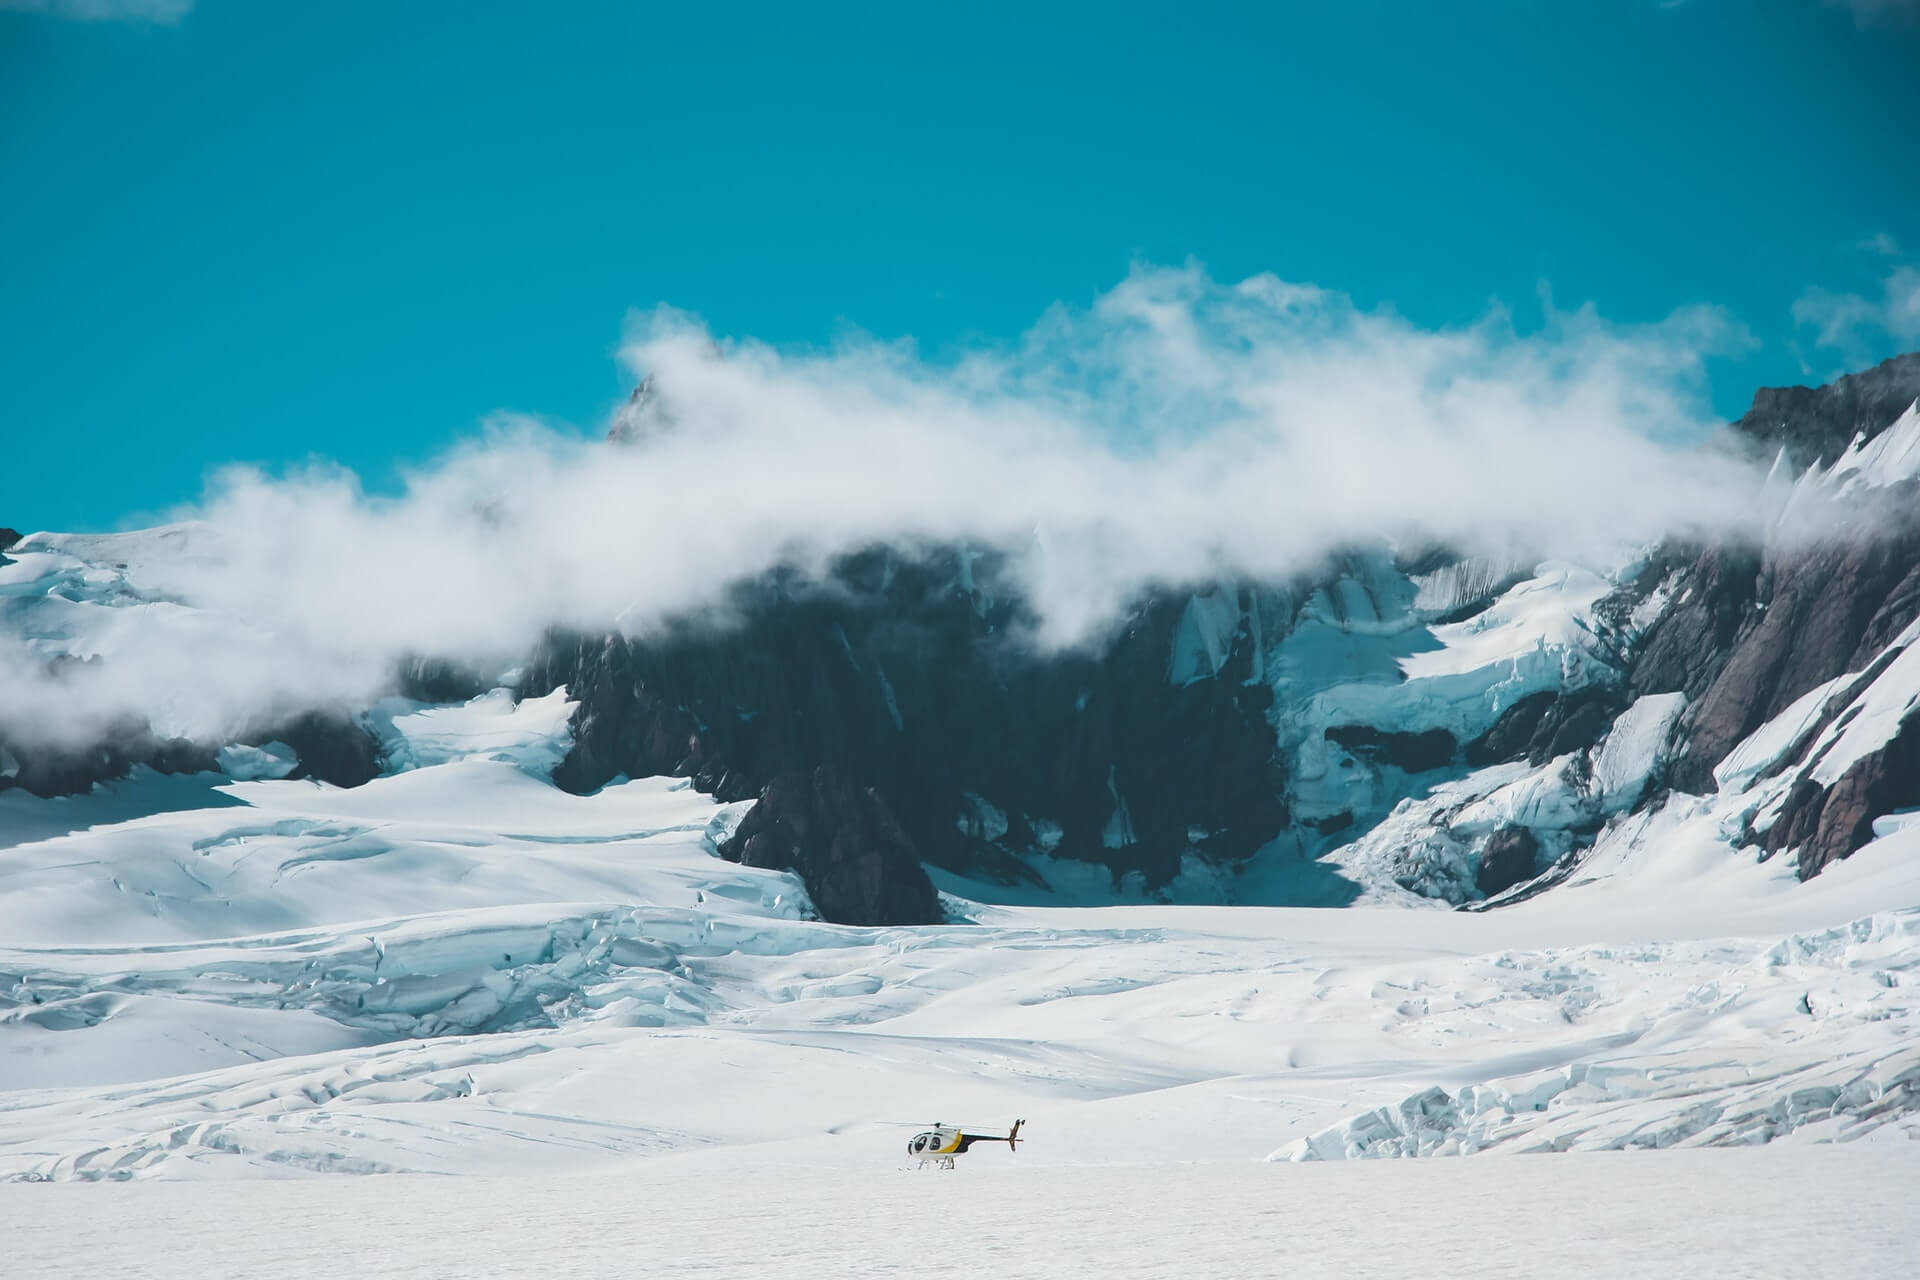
[
  {"x": 458, "y": 969},
  {"x": 1799, "y": 1211},
  {"x": 686, "y": 1010}
]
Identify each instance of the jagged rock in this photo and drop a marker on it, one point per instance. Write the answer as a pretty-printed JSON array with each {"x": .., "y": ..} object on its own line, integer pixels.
[
  {"x": 332, "y": 746},
  {"x": 1413, "y": 752},
  {"x": 1544, "y": 726},
  {"x": 1332, "y": 824},
  {"x": 1828, "y": 824},
  {"x": 48, "y": 769},
  {"x": 1688, "y": 646},
  {"x": 624, "y": 724},
  {"x": 1509, "y": 859},
  {"x": 890, "y": 713},
  {"x": 858, "y": 865},
  {"x": 1825, "y": 612},
  {"x": 438, "y": 680},
  {"x": 1574, "y": 723},
  {"x": 8, "y": 537},
  {"x": 1815, "y": 424},
  {"x": 909, "y": 676},
  {"x": 1749, "y": 632},
  {"x": 644, "y": 414},
  {"x": 1510, "y": 735}
]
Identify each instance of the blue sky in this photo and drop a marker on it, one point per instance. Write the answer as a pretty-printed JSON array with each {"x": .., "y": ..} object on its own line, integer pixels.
[{"x": 263, "y": 232}]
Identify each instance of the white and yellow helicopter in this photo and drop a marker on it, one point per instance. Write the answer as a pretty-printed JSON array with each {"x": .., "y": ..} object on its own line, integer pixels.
[{"x": 939, "y": 1145}]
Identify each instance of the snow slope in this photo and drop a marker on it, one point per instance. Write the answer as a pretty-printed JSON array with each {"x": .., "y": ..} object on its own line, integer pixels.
[
  {"x": 460, "y": 969},
  {"x": 1673, "y": 1216},
  {"x": 1441, "y": 652},
  {"x": 638, "y": 1056},
  {"x": 1369, "y": 649}
]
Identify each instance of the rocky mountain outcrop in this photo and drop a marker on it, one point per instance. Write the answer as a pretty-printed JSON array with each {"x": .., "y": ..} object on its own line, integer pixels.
[
  {"x": 1450, "y": 725},
  {"x": 1546, "y": 725},
  {"x": 858, "y": 865},
  {"x": 909, "y": 680},
  {"x": 331, "y": 746},
  {"x": 50, "y": 769},
  {"x": 1813, "y": 615},
  {"x": 1511, "y": 855},
  {"x": 904, "y": 678},
  {"x": 1751, "y": 629},
  {"x": 1825, "y": 824},
  {"x": 1815, "y": 424}
]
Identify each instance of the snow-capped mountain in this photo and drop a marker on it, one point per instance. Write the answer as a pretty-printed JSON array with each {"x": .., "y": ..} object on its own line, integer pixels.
[
  {"x": 1401, "y": 721},
  {"x": 1231, "y": 743},
  {"x": 501, "y": 919}
]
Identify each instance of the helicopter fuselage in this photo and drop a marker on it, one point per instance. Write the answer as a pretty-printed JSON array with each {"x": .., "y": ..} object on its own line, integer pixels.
[{"x": 939, "y": 1145}]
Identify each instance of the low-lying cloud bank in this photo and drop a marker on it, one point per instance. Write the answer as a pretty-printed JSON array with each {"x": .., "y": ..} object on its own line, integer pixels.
[{"x": 1177, "y": 430}]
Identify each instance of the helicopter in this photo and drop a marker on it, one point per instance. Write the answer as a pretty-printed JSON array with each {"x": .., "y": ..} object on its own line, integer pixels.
[{"x": 939, "y": 1145}]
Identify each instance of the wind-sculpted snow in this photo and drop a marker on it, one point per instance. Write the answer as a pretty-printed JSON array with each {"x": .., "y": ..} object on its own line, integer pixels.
[
  {"x": 1363, "y": 653},
  {"x": 1813, "y": 1034},
  {"x": 579, "y": 983},
  {"x": 1766, "y": 748},
  {"x": 478, "y": 833},
  {"x": 530, "y": 733},
  {"x": 1432, "y": 846},
  {"x": 458, "y": 968},
  {"x": 1889, "y": 459},
  {"x": 495, "y": 969},
  {"x": 1875, "y": 715},
  {"x": 1671, "y": 1216},
  {"x": 1382, "y": 680}
]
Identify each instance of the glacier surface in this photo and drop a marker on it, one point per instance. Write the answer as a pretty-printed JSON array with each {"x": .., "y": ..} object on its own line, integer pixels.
[{"x": 457, "y": 969}]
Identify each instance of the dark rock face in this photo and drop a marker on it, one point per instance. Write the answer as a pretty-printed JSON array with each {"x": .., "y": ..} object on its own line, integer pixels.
[
  {"x": 1832, "y": 594},
  {"x": 1827, "y": 825},
  {"x": 436, "y": 680},
  {"x": 1752, "y": 631},
  {"x": 1333, "y": 824},
  {"x": 1413, "y": 752},
  {"x": 1817, "y": 615},
  {"x": 858, "y": 865},
  {"x": 1689, "y": 645},
  {"x": 1509, "y": 859},
  {"x": 48, "y": 770},
  {"x": 1545, "y": 725},
  {"x": 1815, "y": 424},
  {"x": 905, "y": 681},
  {"x": 332, "y": 746},
  {"x": 8, "y": 537}
]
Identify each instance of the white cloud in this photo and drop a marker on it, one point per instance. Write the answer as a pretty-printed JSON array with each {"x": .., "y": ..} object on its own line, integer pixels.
[
  {"x": 1175, "y": 430},
  {"x": 1849, "y": 322},
  {"x": 164, "y": 12}
]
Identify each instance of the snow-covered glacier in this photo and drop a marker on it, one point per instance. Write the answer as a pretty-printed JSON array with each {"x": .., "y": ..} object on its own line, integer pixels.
[
  {"x": 446, "y": 929},
  {"x": 459, "y": 968}
]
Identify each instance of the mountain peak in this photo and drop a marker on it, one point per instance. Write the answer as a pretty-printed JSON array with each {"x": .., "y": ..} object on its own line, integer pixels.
[{"x": 1817, "y": 423}]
